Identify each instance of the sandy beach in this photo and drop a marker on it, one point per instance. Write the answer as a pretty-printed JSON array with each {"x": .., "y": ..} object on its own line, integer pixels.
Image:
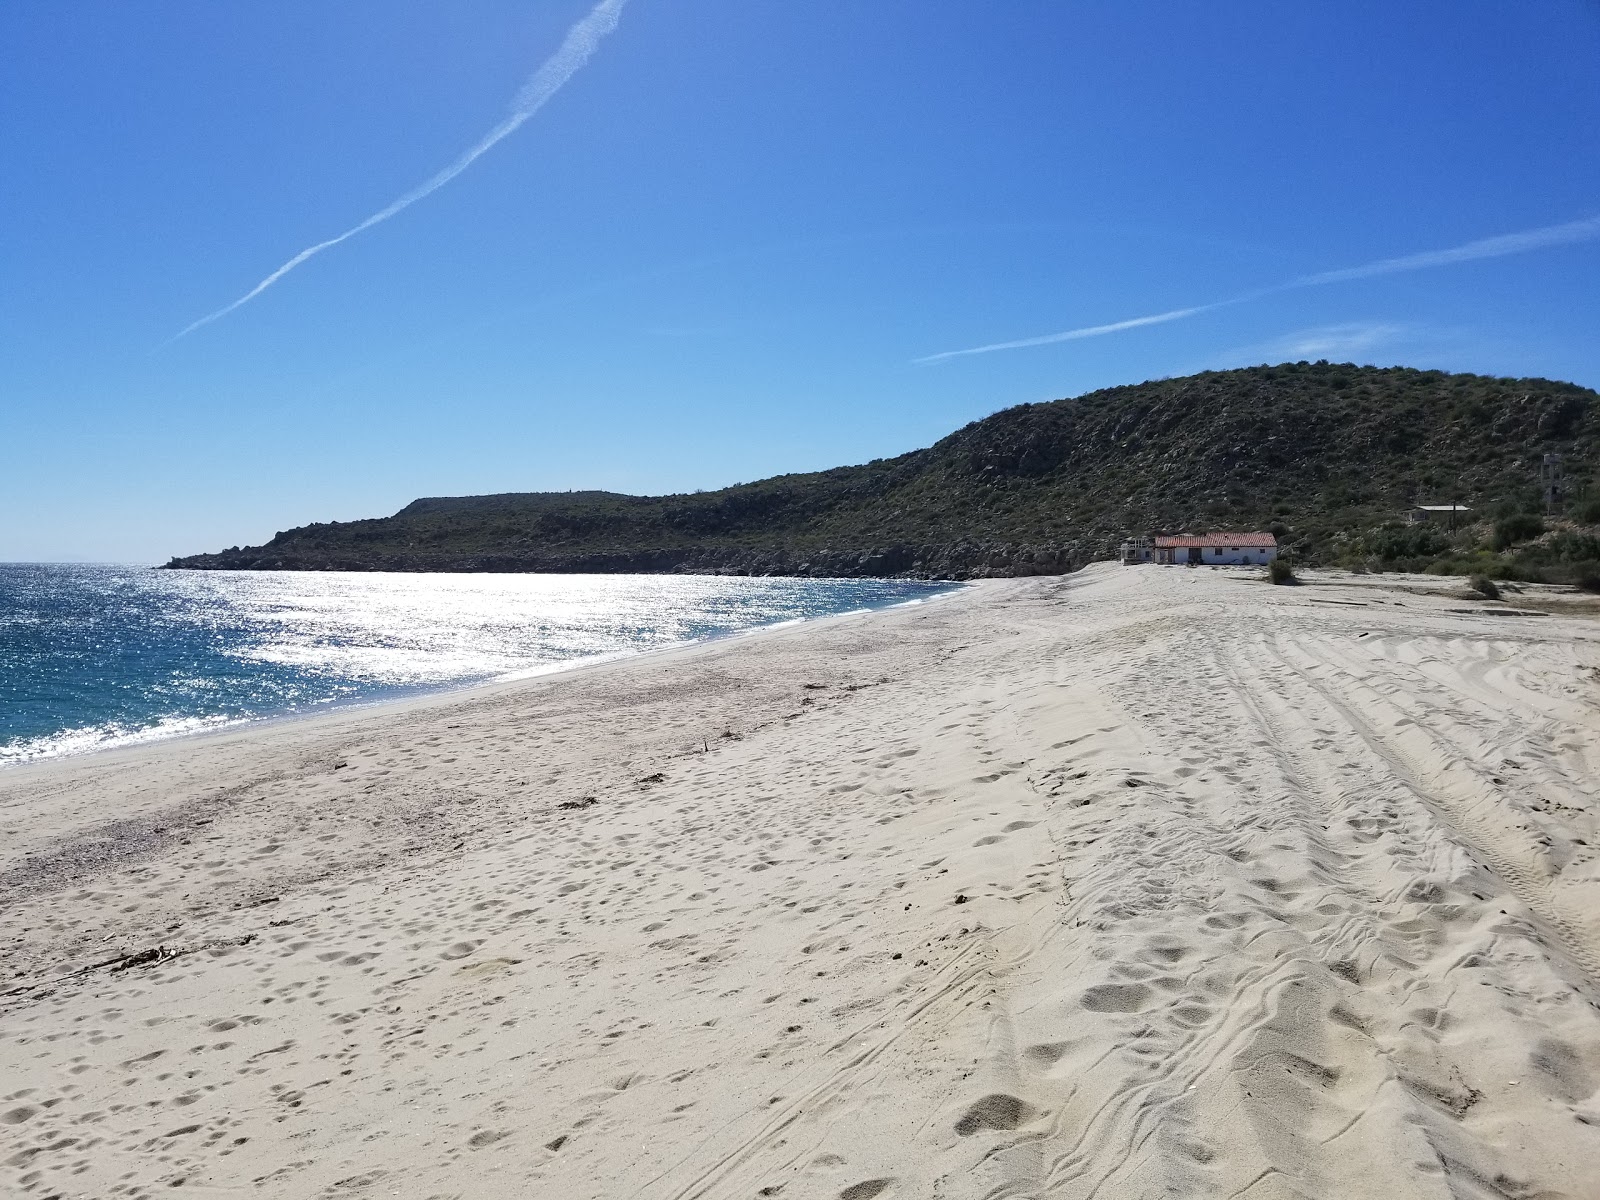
[{"x": 1138, "y": 882}]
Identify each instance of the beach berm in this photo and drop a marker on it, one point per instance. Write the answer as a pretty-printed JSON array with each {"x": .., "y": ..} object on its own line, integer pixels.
[{"x": 1130, "y": 883}]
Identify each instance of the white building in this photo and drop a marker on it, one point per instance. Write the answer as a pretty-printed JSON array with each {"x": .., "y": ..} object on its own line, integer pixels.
[
  {"x": 1217, "y": 549},
  {"x": 1137, "y": 550},
  {"x": 1441, "y": 512}
]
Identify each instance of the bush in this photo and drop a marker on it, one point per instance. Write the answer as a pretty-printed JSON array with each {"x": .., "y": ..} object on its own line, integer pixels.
[
  {"x": 1279, "y": 571},
  {"x": 1588, "y": 513},
  {"x": 1485, "y": 587},
  {"x": 1567, "y": 546},
  {"x": 1519, "y": 527},
  {"x": 1407, "y": 541}
]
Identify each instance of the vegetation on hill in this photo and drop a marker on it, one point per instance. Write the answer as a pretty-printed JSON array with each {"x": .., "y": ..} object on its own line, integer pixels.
[{"x": 1329, "y": 456}]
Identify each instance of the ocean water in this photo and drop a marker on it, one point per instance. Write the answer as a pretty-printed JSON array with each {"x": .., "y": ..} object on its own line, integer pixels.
[{"x": 99, "y": 656}]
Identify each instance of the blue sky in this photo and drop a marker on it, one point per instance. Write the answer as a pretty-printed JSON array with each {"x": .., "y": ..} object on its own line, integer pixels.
[{"x": 727, "y": 245}]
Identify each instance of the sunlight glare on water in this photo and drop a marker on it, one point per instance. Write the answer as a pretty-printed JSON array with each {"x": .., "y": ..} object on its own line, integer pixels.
[{"x": 92, "y": 657}]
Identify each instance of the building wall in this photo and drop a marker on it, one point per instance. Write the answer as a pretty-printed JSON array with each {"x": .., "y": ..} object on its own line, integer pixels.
[{"x": 1221, "y": 556}]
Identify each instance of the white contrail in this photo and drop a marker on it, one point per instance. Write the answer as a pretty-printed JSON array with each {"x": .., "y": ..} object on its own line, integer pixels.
[
  {"x": 1072, "y": 335},
  {"x": 1493, "y": 247},
  {"x": 580, "y": 43}
]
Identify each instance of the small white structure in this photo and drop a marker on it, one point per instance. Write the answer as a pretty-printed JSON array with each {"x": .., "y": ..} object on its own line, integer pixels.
[
  {"x": 1137, "y": 550},
  {"x": 1440, "y": 512},
  {"x": 1217, "y": 549}
]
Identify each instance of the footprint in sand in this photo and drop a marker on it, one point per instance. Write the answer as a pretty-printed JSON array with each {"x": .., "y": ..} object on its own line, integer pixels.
[
  {"x": 995, "y": 1111},
  {"x": 1116, "y": 997},
  {"x": 1045, "y": 1054}
]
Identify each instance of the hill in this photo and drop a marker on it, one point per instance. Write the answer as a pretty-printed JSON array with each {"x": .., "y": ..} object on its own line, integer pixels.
[{"x": 1322, "y": 452}]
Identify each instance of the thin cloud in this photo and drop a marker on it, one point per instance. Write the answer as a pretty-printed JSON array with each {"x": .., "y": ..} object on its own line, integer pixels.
[
  {"x": 1348, "y": 340},
  {"x": 582, "y": 40},
  {"x": 1337, "y": 341},
  {"x": 1494, "y": 247},
  {"x": 1072, "y": 335},
  {"x": 1566, "y": 234}
]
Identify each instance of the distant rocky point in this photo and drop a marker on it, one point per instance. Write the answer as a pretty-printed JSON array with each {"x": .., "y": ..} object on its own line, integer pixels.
[{"x": 1315, "y": 451}]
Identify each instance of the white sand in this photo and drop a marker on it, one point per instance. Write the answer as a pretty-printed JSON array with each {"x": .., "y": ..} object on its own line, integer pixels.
[{"x": 1140, "y": 883}]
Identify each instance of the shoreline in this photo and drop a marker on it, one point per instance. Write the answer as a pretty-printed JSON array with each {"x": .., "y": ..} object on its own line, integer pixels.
[
  {"x": 74, "y": 774},
  {"x": 1128, "y": 882},
  {"x": 426, "y": 693}
]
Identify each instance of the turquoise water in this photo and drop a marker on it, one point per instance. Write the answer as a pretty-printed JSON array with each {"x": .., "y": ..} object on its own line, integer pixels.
[{"x": 99, "y": 656}]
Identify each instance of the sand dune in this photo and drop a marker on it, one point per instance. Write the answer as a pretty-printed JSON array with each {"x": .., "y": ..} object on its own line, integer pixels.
[{"x": 1136, "y": 883}]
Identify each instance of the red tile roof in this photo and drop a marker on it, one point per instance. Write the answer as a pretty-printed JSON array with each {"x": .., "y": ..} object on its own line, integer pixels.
[{"x": 1234, "y": 541}]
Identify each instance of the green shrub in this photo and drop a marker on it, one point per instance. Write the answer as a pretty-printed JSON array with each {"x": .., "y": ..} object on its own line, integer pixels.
[
  {"x": 1407, "y": 541},
  {"x": 1485, "y": 587},
  {"x": 1519, "y": 527},
  {"x": 1567, "y": 546},
  {"x": 1588, "y": 512},
  {"x": 1279, "y": 571},
  {"x": 1589, "y": 578}
]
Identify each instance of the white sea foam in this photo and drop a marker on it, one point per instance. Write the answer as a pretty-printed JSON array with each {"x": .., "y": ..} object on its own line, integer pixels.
[{"x": 111, "y": 736}]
